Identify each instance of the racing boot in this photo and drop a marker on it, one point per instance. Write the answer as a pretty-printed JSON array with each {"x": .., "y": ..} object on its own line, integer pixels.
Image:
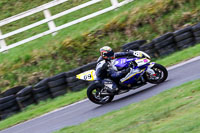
[
  {"x": 113, "y": 89},
  {"x": 110, "y": 86}
]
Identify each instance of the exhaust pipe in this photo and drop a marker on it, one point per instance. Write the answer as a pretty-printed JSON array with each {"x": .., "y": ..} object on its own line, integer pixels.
[{"x": 106, "y": 94}]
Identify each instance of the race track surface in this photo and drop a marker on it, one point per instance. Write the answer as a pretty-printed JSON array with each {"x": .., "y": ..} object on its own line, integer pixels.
[{"x": 84, "y": 110}]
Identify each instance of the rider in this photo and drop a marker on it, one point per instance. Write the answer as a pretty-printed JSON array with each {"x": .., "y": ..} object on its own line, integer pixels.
[{"x": 105, "y": 69}]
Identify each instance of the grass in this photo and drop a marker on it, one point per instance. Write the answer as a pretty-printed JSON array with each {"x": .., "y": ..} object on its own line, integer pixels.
[
  {"x": 79, "y": 44},
  {"x": 72, "y": 31},
  {"x": 172, "y": 111},
  {"x": 180, "y": 56},
  {"x": 59, "y": 21},
  {"x": 46, "y": 46},
  {"x": 52, "y": 104}
]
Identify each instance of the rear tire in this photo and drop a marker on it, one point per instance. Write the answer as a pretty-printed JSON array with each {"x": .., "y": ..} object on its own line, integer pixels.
[
  {"x": 161, "y": 74},
  {"x": 93, "y": 93}
]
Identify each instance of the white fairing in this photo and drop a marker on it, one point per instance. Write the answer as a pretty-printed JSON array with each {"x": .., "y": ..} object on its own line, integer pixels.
[
  {"x": 141, "y": 54},
  {"x": 146, "y": 55},
  {"x": 142, "y": 62},
  {"x": 149, "y": 70}
]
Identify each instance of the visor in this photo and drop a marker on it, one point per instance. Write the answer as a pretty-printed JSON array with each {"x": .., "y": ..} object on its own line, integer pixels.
[{"x": 109, "y": 54}]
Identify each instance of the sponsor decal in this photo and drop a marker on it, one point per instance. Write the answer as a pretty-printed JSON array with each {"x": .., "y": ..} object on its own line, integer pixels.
[{"x": 145, "y": 60}]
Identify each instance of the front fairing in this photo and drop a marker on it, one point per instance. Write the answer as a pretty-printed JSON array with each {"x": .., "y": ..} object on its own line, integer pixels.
[{"x": 142, "y": 64}]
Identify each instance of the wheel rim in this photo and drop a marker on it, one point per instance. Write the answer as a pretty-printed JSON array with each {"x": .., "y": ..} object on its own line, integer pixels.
[
  {"x": 96, "y": 93},
  {"x": 158, "y": 76}
]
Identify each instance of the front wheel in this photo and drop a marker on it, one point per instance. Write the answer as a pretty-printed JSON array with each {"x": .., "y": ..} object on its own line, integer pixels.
[
  {"x": 160, "y": 75},
  {"x": 94, "y": 94}
]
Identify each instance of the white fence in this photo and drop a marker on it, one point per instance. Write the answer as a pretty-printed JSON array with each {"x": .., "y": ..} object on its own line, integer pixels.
[{"x": 49, "y": 20}]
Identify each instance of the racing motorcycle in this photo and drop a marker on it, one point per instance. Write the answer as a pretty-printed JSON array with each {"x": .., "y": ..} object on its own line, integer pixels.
[{"x": 150, "y": 72}]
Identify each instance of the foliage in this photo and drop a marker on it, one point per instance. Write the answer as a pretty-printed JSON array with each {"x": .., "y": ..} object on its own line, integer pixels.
[{"x": 79, "y": 44}]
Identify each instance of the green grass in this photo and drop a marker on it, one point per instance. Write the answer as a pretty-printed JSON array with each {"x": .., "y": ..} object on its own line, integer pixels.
[
  {"x": 52, "y": 104},
  {"x": 72, "y": 31},
  {"x": 79, "y": 44},
  {"x": 172, "y": 111},
  {"x": 48, "y": 45},
  {"x": 180, "y": 56},
  {"x": 59, "y": 21}
]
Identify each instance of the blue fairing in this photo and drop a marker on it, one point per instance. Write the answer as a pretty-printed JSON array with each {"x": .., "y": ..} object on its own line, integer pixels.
[
  {"x": 132, "y": 79},
  {"x": 124, "y": 63}
]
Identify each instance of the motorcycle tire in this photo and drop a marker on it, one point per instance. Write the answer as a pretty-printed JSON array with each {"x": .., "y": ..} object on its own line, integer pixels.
[
  {"x": 157, "y": 68},
  {"x": 97, "y": 87}
]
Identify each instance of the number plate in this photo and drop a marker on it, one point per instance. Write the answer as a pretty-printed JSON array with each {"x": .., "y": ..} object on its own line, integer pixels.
[{"x": 88, "y": 75}]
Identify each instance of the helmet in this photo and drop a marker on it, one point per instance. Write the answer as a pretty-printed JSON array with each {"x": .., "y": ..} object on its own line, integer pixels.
[{"x": 107, "y": 53}]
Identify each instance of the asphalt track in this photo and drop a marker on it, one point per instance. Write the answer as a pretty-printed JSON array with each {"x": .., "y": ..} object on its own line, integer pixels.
[{"x": 84, "y": 110}]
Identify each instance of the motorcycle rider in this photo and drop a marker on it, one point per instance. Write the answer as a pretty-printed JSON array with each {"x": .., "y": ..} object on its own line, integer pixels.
[{"x": 106, "y": 69}]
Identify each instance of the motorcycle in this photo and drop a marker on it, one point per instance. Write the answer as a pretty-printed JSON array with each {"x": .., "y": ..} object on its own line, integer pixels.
[{"x": 149, "y": 72}]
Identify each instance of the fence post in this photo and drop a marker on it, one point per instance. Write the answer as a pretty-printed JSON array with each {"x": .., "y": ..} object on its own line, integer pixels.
[
  {"x": 114, "y": 3},
  {"x": 2, "y": 42},
  {"x": 51, "y": 24}
]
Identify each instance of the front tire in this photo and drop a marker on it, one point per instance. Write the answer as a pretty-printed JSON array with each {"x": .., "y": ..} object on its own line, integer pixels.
[
  {"x": 160, "y": 76},
  {"x": 94, "y": 94}
]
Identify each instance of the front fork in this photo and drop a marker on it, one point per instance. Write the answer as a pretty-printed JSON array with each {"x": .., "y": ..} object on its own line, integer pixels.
[{"x": 149, "y": 70}]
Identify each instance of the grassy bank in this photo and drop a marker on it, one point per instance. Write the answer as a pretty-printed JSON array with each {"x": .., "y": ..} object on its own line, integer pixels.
[
  {"x": 79, "y": 44},
  {"x": 173, "y": 111},
  {"x": 47, "y": 106}
]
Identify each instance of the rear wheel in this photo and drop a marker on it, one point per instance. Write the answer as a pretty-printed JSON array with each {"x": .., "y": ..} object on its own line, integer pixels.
[
  {"x": 94, "y": 94},
  {"x": 160, "y": 75}
]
